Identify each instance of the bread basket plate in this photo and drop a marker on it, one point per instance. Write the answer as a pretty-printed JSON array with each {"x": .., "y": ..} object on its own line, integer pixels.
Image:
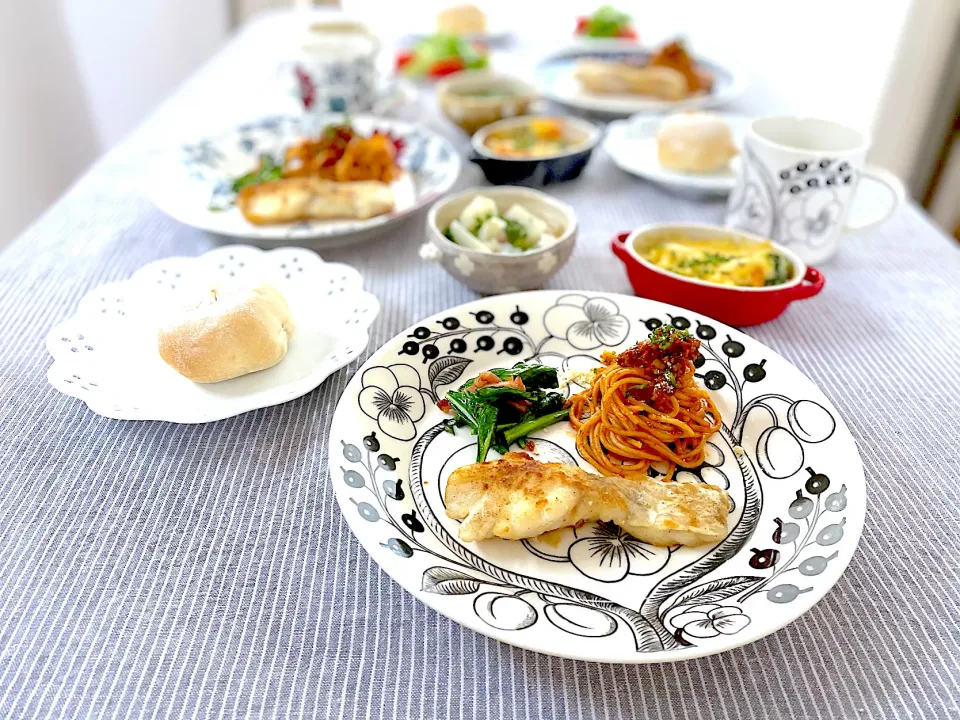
[
  {"x": 632, "y": 145},
  {"x": 785, "y": 456},
  {"x": 106, "y": 354},
  {"x": 192, "y": 183},
  {"x": 555, "y": 77}
]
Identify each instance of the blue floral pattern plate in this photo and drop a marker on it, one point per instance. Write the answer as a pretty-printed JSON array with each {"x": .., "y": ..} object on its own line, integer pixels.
[
  {"x": 193, "y": 184},
  {"x": 596, "y": 593}
]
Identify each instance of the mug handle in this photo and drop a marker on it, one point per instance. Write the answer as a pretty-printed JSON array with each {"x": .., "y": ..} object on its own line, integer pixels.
[
  {"x": 891, "y": 183},
  {"x": 618, "y": 246},
  {"x": 812, "y": 283}
]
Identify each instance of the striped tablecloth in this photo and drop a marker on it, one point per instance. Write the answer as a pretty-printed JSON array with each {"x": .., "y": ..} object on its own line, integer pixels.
[{"x": 158, "y": 570}]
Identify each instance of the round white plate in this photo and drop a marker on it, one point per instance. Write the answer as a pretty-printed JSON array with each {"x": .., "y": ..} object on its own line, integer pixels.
[
  {"x": 555, "y": 77},
  {"x": 106, "y": 354},
  {"x": 597, "y": 593},
  {"x": 494, "y": 37},
  {"x": 632, "y": 144},
  {"x": 192, "y": 182}
]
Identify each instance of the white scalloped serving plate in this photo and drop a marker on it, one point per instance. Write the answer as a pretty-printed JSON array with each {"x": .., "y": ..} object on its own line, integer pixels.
[{"x": 106, "y": 353}]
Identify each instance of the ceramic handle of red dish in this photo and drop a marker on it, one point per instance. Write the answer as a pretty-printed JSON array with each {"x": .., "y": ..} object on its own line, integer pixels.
[
  {"x": 811, "y": 284},
  {"x": 618, "y": 246}
]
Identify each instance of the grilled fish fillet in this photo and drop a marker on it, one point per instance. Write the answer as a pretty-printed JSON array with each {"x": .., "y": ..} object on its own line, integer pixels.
[
  {"x": 518, "y": 497},
  {"x": 309, "y": 198},
  {"x": 611, "y": 77}
]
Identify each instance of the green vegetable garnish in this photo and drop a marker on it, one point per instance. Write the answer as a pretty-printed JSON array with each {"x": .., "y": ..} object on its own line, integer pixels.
[
  {"x": 522, "y": 429},
  {"x": 436, "y": 48},
  {"x": 665, "y": 335},
  {"x": 524, "y": 139},
  {"x": 268, "y": 171},
  {"x": 479, "y": 223},
  {"x": 500, "y": 416},
  {"x": 708, "y": 260},
  {"x": 782, "y": 270},
  {"x": 333, "y": 129},
  {"x": 607, "y": 22},
  {"x": 517, "y": 236},
  {"x": 534, "y": 376}
]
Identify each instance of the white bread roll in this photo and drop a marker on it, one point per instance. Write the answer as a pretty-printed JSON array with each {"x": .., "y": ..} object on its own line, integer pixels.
[
  {"x": 230, "y": 331},
  {"x": 695, "y": 143},
  {"x": 462, "y": 20}
]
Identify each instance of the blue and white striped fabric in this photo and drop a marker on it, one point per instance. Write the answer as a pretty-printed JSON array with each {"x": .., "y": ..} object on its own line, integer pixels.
[{"x": 153, "y": 570}]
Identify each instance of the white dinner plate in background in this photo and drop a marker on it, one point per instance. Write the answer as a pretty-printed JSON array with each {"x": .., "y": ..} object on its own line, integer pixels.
[
  {"x": 632, "y": 144},
  {"x": 555, "y": 78}
]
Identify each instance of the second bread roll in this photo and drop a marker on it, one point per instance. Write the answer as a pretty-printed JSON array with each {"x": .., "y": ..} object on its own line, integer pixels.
[{"x": 695, "y": 143}]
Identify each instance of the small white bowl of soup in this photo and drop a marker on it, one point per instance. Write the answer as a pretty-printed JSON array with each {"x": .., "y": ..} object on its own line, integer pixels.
[
  {"x": 735, "y": 277},
  {"x": 473, "y": 99}
]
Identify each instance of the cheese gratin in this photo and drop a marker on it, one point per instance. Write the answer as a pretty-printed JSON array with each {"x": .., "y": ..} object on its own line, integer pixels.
[{"x": 725, "y": 262}]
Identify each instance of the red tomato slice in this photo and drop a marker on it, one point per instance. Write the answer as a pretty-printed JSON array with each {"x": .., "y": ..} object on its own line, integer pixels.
[
  {"x": 447, "y": 66},
  {"x": 582, "y": 23},
  {"x": 627, "y": 33},
  {"x": 403, "y": 58}
]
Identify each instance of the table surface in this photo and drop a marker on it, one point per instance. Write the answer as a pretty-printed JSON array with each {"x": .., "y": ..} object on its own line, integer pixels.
[{"x": 158, "y": 570}]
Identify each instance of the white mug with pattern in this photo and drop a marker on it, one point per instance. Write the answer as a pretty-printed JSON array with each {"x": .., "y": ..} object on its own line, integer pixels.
[
  {"x": 335, "y": 69},
  {"x": 799, "y": 180}
]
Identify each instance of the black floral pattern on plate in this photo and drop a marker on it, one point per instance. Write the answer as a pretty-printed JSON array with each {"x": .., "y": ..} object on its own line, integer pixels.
[{"x": 686, "y": 605}]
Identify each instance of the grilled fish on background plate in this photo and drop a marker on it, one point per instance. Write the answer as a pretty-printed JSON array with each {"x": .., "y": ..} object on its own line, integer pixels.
[
  {"x": 310, "y": 198},
  {"x": 519, "y": 497}
]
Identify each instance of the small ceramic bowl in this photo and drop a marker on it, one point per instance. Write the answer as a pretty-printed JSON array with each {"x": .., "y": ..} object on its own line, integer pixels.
[
  {"x": 738, "y": 306},
  {"x": 536, "y": 172},
  {"x": 493, "y": 273},
  {"x": 460, "y": 99}
]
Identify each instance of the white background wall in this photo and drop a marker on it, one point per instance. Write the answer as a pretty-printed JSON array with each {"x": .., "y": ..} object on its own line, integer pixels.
[
  {"x": 133, "y": 53},
  {"x": 77, "y": 75},
  {"x": 46, "y": 136}
]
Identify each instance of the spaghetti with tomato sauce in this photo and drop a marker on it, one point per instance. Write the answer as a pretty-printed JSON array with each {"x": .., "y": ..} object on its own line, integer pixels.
[{"x": 643, "y": 406}]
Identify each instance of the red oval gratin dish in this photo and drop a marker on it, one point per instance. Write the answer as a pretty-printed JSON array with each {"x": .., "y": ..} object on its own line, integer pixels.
[{"x": 738, "y": 306}]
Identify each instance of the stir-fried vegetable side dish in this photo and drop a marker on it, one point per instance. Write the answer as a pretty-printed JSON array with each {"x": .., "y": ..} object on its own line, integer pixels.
[{"x": 504, "y": 405}]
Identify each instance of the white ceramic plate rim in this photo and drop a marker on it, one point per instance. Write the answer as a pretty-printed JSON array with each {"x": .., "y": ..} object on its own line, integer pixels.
[
  {"x": 622, "y": 106},
  {"x": 617, "y": 146}
]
